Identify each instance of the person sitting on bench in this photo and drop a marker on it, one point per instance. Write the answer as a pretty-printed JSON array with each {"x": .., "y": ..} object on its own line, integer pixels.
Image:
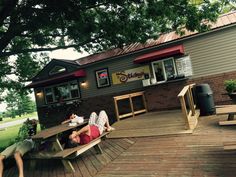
[
  {"x": 18, "y": 149},
  {"x": 96, "y": 126}
]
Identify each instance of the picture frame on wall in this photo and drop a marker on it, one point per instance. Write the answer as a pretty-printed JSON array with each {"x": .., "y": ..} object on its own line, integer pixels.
[{"x": 102, "y": 78}]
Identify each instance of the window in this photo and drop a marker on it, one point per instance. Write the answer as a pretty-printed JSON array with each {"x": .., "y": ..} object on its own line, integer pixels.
[
  {"x": 74, "y": 90},
  {"x": 49, "y": 95},
  {"x": 62, "y": 92},
  {"x": 57, "y": 70},
  {"x": 102, "y": 78},
  {"x": 164, "y": 70}
]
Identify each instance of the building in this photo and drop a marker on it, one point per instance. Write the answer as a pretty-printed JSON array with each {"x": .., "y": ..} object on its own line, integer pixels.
[{"x": 159, "y": 67}]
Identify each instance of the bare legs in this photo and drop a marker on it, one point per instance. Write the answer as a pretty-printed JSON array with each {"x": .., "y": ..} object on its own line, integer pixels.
[
  {"x": 1, "y": 164},
  {"x": 19, "y": 163},
  {"x": 103, "y": 122}
]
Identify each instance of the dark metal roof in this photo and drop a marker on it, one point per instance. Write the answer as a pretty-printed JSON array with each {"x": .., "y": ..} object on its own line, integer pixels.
[{"x": 224, "y": 20}]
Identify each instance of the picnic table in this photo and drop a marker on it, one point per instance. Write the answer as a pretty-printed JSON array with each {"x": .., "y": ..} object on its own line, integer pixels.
[
  {"x": 229, "y": 110},
  {"x": 51, "y": 135},
  {"x": 57, "y": 151}
]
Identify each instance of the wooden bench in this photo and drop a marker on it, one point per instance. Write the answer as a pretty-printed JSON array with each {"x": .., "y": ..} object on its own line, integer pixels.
[
  {"x": 229, "y": 145},
  {"x": 76, "y": 151},
  {"x": 69, "y": 153},
  {"x": 229, "y": 110}
]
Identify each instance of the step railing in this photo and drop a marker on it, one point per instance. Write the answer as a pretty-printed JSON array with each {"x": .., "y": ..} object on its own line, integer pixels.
[{"x": 188, "y": 105}]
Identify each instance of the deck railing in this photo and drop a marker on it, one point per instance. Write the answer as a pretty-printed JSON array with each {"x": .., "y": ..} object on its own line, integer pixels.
[{"x": 188, "y": 105}]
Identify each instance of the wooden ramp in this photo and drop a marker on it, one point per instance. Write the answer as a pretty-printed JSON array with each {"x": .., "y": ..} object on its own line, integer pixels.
[{"x": 151, "y": 124}]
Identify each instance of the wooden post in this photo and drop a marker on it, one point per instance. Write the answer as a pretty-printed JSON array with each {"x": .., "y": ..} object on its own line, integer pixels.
[
  {"x": 56, "y": 145},
  {"x": 231, "y": 116},
  {"x": 190, "y": 98},
  {"x": 116, "y": 109},
  {"x": 98, "y": 149},
  {"x": 131, "y": 105},
  {"x": 184, "y": 111},
  {"x": 144, "y": 102}
]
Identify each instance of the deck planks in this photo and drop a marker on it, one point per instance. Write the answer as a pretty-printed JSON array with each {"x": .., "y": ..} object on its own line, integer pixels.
[
  {"x": 181, "y": 155},
  {"x": 151, "y": 124},
  {"x": 196, "y": 155}
]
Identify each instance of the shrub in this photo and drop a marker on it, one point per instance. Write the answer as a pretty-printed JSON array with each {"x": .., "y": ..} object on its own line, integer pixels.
[
  {"x": 28, "y": 129},
  {"x": 230, "y": 85}
]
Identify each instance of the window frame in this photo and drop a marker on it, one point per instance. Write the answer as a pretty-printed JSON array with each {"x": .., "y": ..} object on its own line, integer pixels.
[
  {"x": 163, "y": 68},
  {"x": 97, "y": 78},
  {"x": 68, "y": 84},
  {"x": 52, "y": 73}
]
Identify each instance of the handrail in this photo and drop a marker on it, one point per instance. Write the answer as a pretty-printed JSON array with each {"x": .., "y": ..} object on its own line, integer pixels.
[{"x": 186, "y": 93}]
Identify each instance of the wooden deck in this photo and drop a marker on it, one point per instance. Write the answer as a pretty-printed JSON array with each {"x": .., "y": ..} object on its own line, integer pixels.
[
  {"x": 199, "y": 154},
  {"x": 152, "y": 124}
]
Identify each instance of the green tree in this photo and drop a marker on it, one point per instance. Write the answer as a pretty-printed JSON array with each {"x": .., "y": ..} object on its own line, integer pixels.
[
  {"x": 18, "y": 103},
  {"x": 26, "y": 105},
  {"x": 29, "y": 26},
  {"x": 11, "y": 101}
]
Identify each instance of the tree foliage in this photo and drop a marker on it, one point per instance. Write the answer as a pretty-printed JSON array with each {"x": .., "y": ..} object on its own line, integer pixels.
[
  {"x": 28, "y": 26},
  {"x": 19, "y": 103}
]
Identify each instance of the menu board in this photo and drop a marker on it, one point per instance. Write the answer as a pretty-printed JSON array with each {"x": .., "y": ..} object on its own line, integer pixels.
[{"x": 184, "y": 66}]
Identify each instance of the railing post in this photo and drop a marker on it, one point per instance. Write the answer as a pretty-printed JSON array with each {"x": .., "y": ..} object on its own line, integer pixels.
[
  {"x": 190, "y": 99},
  {"x": 184, "y": 111}
]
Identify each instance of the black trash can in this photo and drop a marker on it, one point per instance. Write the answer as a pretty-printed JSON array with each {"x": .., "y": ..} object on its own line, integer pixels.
[{"x": 204, "y": 99}]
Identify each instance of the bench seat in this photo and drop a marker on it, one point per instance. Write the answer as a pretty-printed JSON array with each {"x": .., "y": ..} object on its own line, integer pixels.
[
  {"x": 229, "y": 145},
  {"x": 229, "y": 110},
  {"x": 68, "y": 153},
  {"x": 225, "y": 109},
  {"x": 227, "y": 122}
]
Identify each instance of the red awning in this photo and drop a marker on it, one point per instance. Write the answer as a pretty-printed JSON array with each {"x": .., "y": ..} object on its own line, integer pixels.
[
  {"x": 58, "y": 79},
  {"x": 168, "y": 52}
]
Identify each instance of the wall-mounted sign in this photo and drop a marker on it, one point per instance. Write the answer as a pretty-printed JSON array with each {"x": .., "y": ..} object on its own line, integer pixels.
[
  {"x": 102, "y": 78},
  {"x": 130, "y": 75},
  {"x": 184, "y": 66}
]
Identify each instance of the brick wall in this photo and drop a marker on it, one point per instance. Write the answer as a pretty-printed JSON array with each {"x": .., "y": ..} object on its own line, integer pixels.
[
  {"x": 216, "y": 83},
  {"x": 164, "y": 96}
]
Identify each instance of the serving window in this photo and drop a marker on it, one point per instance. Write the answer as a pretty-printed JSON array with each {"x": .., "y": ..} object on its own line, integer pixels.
[
  {"x": 164, "y": 70},
  {"x": 171, "y": 69}
]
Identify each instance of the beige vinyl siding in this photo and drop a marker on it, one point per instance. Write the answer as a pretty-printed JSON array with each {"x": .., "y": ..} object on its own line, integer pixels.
[
  {"x": 114, "y": 65},
  {"x": 213, "y": 53},
  {"x": 210, "y": 54}
]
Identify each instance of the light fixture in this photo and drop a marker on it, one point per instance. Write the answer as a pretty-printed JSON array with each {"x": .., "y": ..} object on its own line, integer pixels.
[
  {"x": 83, "y": 83},
  {"x": 39, "y": 93}
]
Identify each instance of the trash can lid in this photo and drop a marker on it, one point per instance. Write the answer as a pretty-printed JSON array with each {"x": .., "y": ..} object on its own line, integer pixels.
[{"x": 203, "y": 88}]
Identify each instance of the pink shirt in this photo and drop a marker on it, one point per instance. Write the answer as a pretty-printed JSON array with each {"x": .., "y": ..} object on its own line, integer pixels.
[{"x": 94, "y": 133}]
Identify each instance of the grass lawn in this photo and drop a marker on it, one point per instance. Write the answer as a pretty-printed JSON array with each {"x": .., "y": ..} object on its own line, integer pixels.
[
  {"x": 9, "y": 119},
  {"x": 8, "y": 135}
]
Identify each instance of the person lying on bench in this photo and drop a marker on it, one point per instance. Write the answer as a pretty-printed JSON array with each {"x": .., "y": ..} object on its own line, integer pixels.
[
  {"x": 96, "y": 126},
  {"x": 18, "y": 149},
  {"x": 73, "y": 118}
]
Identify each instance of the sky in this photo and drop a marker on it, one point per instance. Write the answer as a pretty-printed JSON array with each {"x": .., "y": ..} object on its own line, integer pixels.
[{"x": 69, "y": 54}]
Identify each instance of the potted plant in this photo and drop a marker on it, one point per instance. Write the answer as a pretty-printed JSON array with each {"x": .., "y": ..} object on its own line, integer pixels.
[{"x": 230, "y": 87}]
